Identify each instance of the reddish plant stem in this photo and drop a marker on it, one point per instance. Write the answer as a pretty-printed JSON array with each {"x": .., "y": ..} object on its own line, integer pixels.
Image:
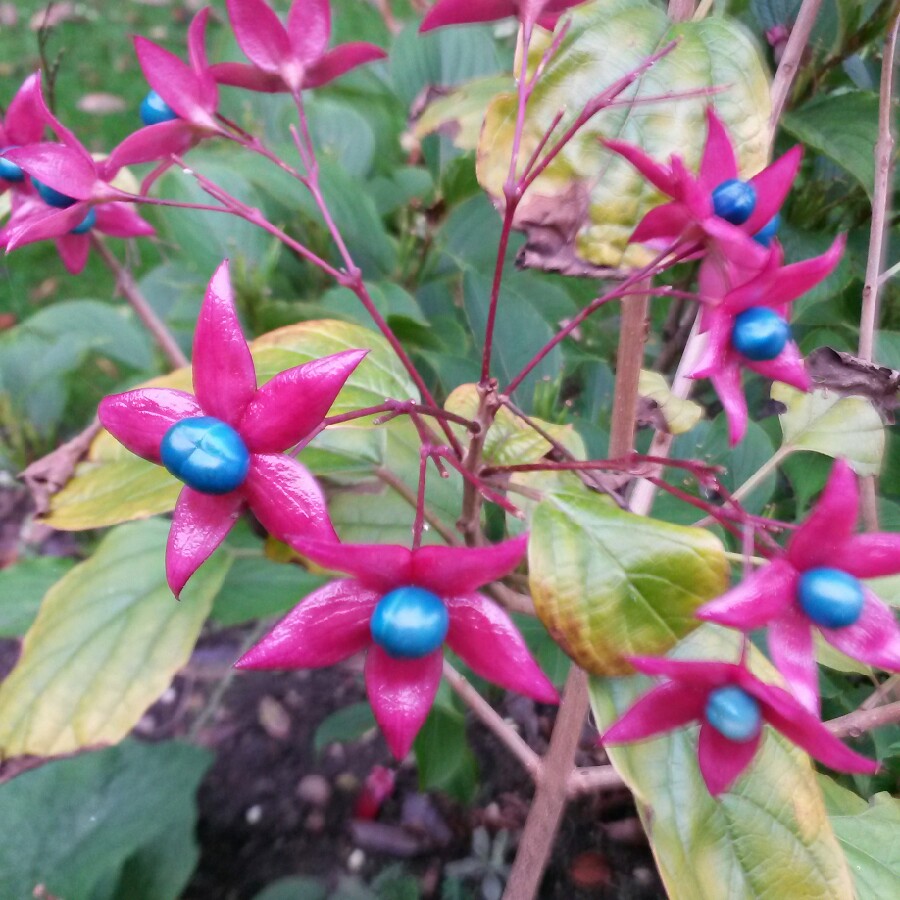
[
  {"x": 553, "y": 785},
  {"x": 862, "y": 720},
  {"x": 127, "y": 286},
  {"x": 476, "y": 482},
  {"x": 625, "y": 289},
  {"x": 630, "y": 464},
  {"x": 401, "y": 407},
  {"x": 791, "y": 58}
]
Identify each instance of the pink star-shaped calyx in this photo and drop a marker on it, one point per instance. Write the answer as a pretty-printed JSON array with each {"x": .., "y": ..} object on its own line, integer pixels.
[
  {"x": 727, "y": 700},
  {"x": 225, "y": 440},
  {"x": 771, "y": 290},
  {"x": 288, "y": 59},
  {"x": 22, "y": 125},
  {"x": 824, "y": 557},
  {"x": 691, "y": 214},
  {"x": 404, "y": 658}
]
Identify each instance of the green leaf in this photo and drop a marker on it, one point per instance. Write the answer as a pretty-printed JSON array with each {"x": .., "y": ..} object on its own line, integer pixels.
[
  {"x": 347, "y": 724},
  {"x": 608, "y": 584},
  {"x": 298, "y": 888},
  {"x": 74, "y": 825},
  {"x": 843, "y": 127},
  {"x": 258, "y": 588},
  {"x": 766, "y": 838},
  {"x": 826, "y": 422},
  {"x": 444, "y": 759},
  {"x": 679, "y": 415},
  {"x": 22, "y": 587},
  {"x": 107, "y": 642},
  {"x": 864, "y": 831},
  {"x": 589, "y": 199}
]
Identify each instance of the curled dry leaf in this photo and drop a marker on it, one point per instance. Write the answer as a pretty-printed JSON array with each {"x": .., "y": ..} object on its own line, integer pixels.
[{"x": 850, "y": 375}]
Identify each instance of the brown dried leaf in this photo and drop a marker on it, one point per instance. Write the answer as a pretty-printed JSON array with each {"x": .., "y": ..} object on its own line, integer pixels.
[{"x": 850, "y": 375}]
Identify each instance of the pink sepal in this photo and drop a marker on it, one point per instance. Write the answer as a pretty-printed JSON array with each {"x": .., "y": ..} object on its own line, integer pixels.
[
  {"x": 694, "y": 671},
  {"x": 791, "y": 647},
  {"x": 382, "y": 567},
  {"x": 23, "y": 123},
  {"x": 670, "y": 705},
  {"x": 831, "y": 522},
  {"x": 449, "y": 571},
  {"x": 754, "y": 601},
  {"x": 121, "y": 220},
  {"x": 74, "y": 250},
  {"x": 722, "y": 760},
  {"x": 259, "y": 34},
  {"x": 331, "y": 624},
  {"x": 175, "y": 81},
  {"x": 874, "y": 638},
  {"x": 787, "y": 367},
  {"x": 869, "y": 555},
  {"x": 339, "y": 61},
  {"x": 290, "y": 406},
  {"x": 803, "y": 728},
  {"x": 662, "y": 223},
  {"x": 727, "y": 382},
  {"x": 466, "y": 12},
  {"x": 491, "y": 645},
  {"x": 772, "y": 186},
  {"x": 44, "y": 224},
  {"x": 247, "y": 77},
  {"x": 286, "y": 499},
  {"x": 58, "y": 166},
  {"x": 401, "y": 692},
  {"x": 659, "y": 176},
  {"x": 793, "y": 281},
  {"x": 199, "y": 524},
  {"x": 224, "y": 377},
  {"x": 309, "y": 28},
  {"x": 151, "y": 143},
  {"x": 718, "y": 163},
  {"x": 139, "y": 419}
]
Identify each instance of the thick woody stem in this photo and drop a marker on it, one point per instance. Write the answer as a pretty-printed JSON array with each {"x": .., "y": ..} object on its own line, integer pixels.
[
  {"x": 553, "y": 787},
  {"x": 790, "y": 60},
  {"x": 127, "y": 286},
  {"x": 862, "y": 720},
  {"x": 884, "y": 149}
]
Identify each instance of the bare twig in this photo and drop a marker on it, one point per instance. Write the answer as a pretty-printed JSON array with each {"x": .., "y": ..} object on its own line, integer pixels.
[
  {"x": 591, "y": 779},
  {"x": 862, "y": 720},
  {"x": 127, "y": 286},
  {"x": 493, "y": 720},
  {"x": 790, "y": 61},
  {"x": 884, "y": 150}
]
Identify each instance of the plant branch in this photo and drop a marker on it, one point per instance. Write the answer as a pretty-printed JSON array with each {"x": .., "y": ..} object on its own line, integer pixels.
[
  {"x": 495, "y": 723},
  {"x": 862, "y": 720},
  {"x": 127, "y": 286},
  {"x": 790, "y": 60},
  {"x": 588, "y": 780},
  {"x": 397, "y": 484}
]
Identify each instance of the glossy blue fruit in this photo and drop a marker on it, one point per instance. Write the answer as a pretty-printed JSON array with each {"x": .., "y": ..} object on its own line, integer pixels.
[
  {"x": 155, "y": 110},
  {"x": 759, "y": 333},
  {"x": 767, "y": 233},
  {"x": 206, "y": 454},
  {"x": 734, "y": 714},
  {"x": 734, "y": 200},
  {"x": 87, "y": 223},
  {"x": 830, "y": 597},
  {"x": 409, "y": 623},
  {"x": 52, "y": 197},
  {"x": 9, "y": 171}
]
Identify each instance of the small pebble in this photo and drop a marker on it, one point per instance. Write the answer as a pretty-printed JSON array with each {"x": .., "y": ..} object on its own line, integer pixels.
[
  {"x": 314, "y": 789},
  {"x": 254, "y": 814},
  {"x": 356, "y": 860},
  {"x": 642, "y": 876},
  {"x": 347, "y": 783}
]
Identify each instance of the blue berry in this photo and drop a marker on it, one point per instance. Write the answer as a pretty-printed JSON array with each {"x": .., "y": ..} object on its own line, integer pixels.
[
  {"x": 734, "y": 713},
  {"x": 53, "y": 197},
  {"x": 759, "y": 333},
  {"x": 409, "y": 623},
  {"x": 206, "y": 454},
  {"x": 734, "y": 200},
  {"x": 155, "y": 110},
  {"x": 767, "y": 233},
  {"x": 830, "y": 597},
  {"x": 9, "y": 171},
  {"x": 87, "y": 223}
]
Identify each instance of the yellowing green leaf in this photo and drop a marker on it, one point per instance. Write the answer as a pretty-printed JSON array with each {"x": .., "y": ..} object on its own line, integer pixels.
[
  {"x": 768, "y": 838},
  {"x": 829, "y": 423},
  {"x": 608, "y": 584},
  {"x": 590, "y": 198},
  {"x": 680, "y": 415},
  {"x": 107, "y": 642}
]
